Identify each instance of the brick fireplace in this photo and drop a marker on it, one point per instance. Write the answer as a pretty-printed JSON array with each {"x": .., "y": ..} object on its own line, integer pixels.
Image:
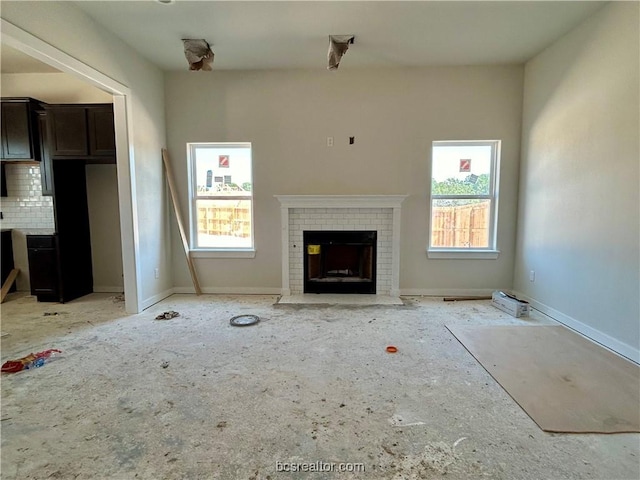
[{"x": 346, "y": 213}]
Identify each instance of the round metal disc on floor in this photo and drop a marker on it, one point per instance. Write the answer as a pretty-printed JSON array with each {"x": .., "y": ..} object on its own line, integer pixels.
[{"x": 244, "y": 320}]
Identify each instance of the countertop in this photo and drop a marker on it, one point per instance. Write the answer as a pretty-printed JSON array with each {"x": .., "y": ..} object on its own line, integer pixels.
[
  {"x": 38, "y": 231},
  {"x": 31, "y": 231}
]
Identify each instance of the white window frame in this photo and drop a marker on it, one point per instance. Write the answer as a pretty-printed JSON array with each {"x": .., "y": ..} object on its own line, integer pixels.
[
  {"x": 215, "y": 252},
  {"x": 490, "y": 252}
]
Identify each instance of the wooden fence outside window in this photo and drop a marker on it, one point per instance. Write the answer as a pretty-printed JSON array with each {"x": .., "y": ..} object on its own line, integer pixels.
[
  {"x": 461, "y": 226},
  {"x": 225, "y": 221}
]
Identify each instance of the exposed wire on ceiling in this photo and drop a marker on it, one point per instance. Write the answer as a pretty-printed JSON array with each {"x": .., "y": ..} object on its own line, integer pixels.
[
  {"x": 198, "y": 54},
  {"x": 338, "y": 46}
]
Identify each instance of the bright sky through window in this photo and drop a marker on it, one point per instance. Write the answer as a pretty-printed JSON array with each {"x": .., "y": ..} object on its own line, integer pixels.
[{"x": 446, "y": 161}]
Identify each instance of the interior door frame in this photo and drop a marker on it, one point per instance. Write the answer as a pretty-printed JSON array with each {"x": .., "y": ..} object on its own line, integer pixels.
[{"x": 129, "y": 233}]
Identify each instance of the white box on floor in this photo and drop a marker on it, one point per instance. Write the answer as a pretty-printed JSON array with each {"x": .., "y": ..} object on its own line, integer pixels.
[{"x": 510, "y": 304}]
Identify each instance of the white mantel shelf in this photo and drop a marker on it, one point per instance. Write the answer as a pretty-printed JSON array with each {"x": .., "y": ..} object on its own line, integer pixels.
[
  {"x": 340, "y": 201},
  {"x": 392, "y": 202}
]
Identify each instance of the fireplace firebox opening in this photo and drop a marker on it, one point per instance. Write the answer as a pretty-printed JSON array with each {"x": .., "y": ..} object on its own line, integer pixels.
[{"x": 340, "y": 261}]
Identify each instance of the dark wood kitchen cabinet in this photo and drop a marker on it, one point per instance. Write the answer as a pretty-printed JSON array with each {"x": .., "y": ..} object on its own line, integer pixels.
[
  {"x": 19, "y": 131},
  {"x": 67, "y": 130},
  {"x": 60, "y": 265},
  {"x": 71, "y": 211},
  {"x": 44, "y": 267},
  {"x": 56, "y": 274},
  {"x": 81, "y": 131},
  {"x": 101, "y": 131},
  {"x": 3, "y": 181},
  {"x": 46, "y": 164},
  {"x": 7, "y": 257}
]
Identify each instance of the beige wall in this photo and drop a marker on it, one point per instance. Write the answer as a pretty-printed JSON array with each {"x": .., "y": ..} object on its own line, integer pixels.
[
  {"x": 104, "y": 222},
  {"x": 51, "y": 88},
  {"x": 579, "y": 205},
  {"x": 394, "y": 115}
]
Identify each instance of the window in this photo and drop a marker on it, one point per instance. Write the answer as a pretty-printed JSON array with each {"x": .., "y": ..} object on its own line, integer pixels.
[
  {"x": 221, "y": 203},
  {"x": 464, "y": 199}
]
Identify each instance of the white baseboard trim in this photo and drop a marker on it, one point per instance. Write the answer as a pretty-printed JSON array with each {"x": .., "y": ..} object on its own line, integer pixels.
[
  {"x": 156, "y": 298},
  {"x": 119, "y": 289},
  {"x": 232, "y": 290},
  {"x": 585, "y": 330},
  {"x": 448, "y": 292}
]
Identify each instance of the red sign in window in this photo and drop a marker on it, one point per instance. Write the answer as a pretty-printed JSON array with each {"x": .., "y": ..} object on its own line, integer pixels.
[
  {"x": 465, "y": 165},
  {"x": 223, "y": 161}
]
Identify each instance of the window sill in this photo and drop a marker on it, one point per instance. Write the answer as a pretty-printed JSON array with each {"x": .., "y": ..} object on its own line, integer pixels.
[
  {"x": 464, "y": 254},
  {"x": 224, "y": 253}
]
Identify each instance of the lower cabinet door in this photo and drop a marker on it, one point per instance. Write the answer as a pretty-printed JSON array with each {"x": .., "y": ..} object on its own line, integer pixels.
[{"x": 43, "y": 272}]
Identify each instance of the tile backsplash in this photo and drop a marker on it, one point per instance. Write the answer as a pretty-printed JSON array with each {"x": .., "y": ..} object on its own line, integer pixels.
[{"x": 24, "y": 207}]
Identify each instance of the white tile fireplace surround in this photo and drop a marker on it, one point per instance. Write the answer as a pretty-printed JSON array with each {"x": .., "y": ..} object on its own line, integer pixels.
[{"x": 341, "y": 212}]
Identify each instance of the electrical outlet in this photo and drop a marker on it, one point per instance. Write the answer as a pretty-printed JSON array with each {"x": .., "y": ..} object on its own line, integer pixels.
[
  {"x": 532, "y": 276},
  {"x": 157, "y": 272},
  {"x": 329, "y": 141}
]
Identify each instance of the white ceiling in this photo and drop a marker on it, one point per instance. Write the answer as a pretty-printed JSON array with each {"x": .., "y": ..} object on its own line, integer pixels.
[{"x": 294, "y": 34}]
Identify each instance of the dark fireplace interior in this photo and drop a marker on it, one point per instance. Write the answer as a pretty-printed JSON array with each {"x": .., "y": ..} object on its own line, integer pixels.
[{"x": 339, "y": 261}]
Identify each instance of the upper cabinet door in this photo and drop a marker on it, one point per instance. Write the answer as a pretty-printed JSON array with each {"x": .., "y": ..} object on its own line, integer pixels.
[
  {"x": 102, "y": 141},
  {"x": 81, "y": 131},
  {"x": 67, "y": 131},
  {"x": 17, "y": 141},
  {"x": 46, "y": 164}
]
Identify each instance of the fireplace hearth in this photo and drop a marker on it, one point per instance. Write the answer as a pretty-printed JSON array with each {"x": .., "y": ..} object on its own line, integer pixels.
[{"x": 340, "y": 261}]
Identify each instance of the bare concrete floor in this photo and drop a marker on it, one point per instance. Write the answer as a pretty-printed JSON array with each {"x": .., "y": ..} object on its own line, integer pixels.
[{"x": 196, "y": 398}]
